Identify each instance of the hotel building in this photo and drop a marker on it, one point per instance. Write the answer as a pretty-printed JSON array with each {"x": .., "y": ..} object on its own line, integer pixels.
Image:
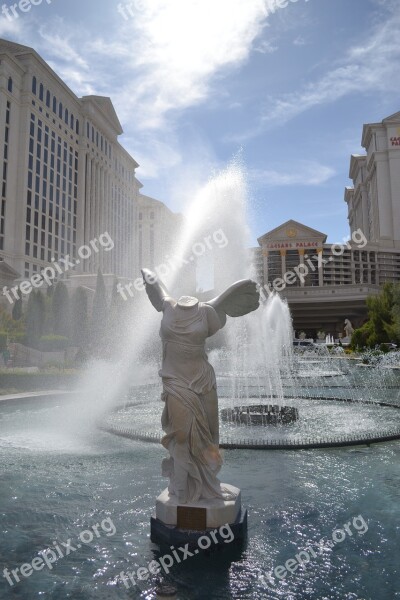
[
  {"x": 158, "y": 231},
  {"x": 65, "y": 178},
  {"x": 339, "y": 279}
]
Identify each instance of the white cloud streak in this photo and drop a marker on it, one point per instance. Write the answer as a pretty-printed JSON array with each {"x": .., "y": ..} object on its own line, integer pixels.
[
  {"x": 178, "y": 48},
  {"x": 303, "y": 173},
  {"x": 365, "y": 68},
  {"x": 169, "y": 57}
]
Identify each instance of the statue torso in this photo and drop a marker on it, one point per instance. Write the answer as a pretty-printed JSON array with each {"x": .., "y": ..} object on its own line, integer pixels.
[{"x": 184, "y": 330}]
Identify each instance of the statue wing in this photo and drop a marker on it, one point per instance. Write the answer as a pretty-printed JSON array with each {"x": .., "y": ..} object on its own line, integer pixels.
[
  {"x": 155, "y": 289},
  {"x": 239, "y": 299}
]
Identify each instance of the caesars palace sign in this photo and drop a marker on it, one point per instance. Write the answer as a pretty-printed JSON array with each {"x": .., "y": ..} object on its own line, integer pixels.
[
  {"x": 291, "y": 232},
  {"x": 395, "y": 141},
  {"x": 291, "y": 245}
]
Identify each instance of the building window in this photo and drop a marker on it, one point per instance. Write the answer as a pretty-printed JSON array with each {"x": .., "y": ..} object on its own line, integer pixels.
[
  {"x": 34, "y": 85},
  {"x": 152, "y": 246},
  {"x": 60, "y": 110},
  {"x": 66, "y": 116},
  {"x": 54, "y": 104},
  {"x": 41, "y": 92},
  {"x": 48, "y": 96},
  {"x": 10, "y": 85},
  {"x": 4, "y": 178}
]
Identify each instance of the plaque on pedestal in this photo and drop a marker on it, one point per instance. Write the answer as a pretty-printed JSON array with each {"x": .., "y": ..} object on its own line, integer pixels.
[{"x": 175, "y": 523}]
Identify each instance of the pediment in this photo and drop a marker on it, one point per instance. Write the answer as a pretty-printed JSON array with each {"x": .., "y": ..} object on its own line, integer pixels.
[
  {"x": 13, "y": 48},
  {"x": 7, "y": 271},
  {"x": 106, "y": 107},
  {"x": 292, "y": 231},
  {"x": 393, "y": 118}
]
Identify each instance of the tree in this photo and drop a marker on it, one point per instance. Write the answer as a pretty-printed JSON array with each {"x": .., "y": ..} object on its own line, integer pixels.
[
  {"x": 383, "y": 323},
  {"x": 115, "y": 297},
  {"x": 35, "y": 317},
  {"x": 396, "y": 311},
  {"x": 118, "y": 319},
  {"x": 14, "y": 329},
  {"x": 61, "y": 310},
  {"x": 17, "y": 310},
  {"x": 79, "y": 314},
  {"x": 99, "y": 313}
]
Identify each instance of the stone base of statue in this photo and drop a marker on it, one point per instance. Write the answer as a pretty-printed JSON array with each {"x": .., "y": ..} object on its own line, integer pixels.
[{"x": 175, "y": 523}]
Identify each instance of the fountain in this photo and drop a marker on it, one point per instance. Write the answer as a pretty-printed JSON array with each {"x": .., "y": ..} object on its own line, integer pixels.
[
  {"x": 61, "y": 472},
  {"x": 255, "y": 363}
]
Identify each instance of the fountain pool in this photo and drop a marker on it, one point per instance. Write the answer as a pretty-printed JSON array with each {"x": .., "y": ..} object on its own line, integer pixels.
[
  {"x": 60, "y": 473},
  {"x": 57, "y": 481}
]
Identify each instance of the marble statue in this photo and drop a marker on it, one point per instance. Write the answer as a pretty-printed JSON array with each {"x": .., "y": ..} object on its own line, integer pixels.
[
  {"x": 348, "y": 327},
  {"x": 190, "y": 415}
]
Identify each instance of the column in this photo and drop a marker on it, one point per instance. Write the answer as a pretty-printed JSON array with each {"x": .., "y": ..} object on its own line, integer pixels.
[
  {"x": 365, "y": 215},
  {"x": 301, "y": 256},
  {"x": 265, "y": 254},
  {"x": 88, "y": 201},
  {"x": 283, "y": 263},
  {"x": 320, "y": 267}
]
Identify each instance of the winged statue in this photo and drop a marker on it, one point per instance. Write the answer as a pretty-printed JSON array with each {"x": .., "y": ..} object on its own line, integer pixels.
[{"x": 190, "y": 415}]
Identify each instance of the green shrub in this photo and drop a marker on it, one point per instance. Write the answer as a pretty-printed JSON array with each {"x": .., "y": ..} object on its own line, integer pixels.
[
  {"x": 19, "y": 338},
  {"x": 3, "y": 340},
  {"x": 359, "y": 339},
  {"x": 53, "y": 343}
]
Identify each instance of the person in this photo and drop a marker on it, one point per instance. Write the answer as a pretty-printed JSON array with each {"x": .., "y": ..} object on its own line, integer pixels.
[
  {"x": 6, "y": 356},
  {"x": 190, "y": 415}
]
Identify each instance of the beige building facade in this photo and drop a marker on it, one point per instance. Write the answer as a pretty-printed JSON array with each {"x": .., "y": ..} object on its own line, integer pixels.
[
  {"x": 66, "y": 179},
  {"x": 327, "y": 283},
  {"x": 159, "y": 230}
]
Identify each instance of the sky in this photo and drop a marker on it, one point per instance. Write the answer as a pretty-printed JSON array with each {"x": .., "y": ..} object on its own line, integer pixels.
[{"x": 286, "y": 85}]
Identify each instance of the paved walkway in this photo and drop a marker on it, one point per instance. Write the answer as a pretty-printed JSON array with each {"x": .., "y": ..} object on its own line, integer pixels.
[{"x": 29, "y": 395}]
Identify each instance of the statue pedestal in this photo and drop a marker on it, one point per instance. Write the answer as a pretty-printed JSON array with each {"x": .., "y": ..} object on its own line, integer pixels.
[{"x": 175, "y": 523}]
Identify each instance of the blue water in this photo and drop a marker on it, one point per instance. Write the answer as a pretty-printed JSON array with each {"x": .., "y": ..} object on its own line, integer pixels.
[{"x": 56, "y": 482}]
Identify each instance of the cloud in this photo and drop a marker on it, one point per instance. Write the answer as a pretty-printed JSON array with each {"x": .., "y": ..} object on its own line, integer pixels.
[
  {"x": 176, "y": 50},
  {"x": 60, "y": 47},
  {"x": 9, "y": 28},
  {"x": 299, "y": 41},
  {"x": 153, "y": 154},
  {"x": 368, "y": 67},
  {"x": 166, "y": 57},
  {"x": 302, "y": 173},
  {"x": 171, "y": 53},
  {"x": 266, "y": 47}
]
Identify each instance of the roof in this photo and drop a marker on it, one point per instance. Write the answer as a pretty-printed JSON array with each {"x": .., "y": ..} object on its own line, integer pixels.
[
  {"x": 291, "y": 229},
  {"x": 106, "y": 107}
]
